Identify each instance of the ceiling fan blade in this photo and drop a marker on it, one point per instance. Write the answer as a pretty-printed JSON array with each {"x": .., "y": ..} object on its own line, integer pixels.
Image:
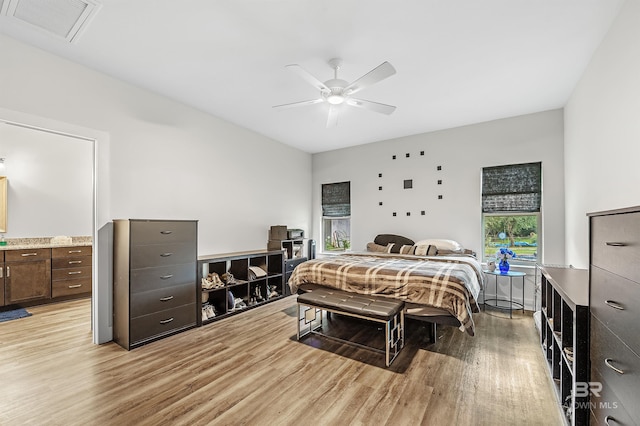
[
  {"x": 379, "y": 73},
  {"x": 308, "y": 77},
  {"x": 332, "y": 120},
  {"x": 299, "y": 104},
  {"x": 371, "y": 106}
]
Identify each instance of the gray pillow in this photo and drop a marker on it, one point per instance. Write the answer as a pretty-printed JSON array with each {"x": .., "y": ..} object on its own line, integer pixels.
[{"x": 397, "y": 240}]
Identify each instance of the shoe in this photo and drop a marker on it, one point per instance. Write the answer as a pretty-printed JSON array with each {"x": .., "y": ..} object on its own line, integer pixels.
[
  {"x": 204, "y": 313},
  {"x": 211, "y": 313},
  {"x": 228, "y": 278},
  {"x": 215, "y": 278}
]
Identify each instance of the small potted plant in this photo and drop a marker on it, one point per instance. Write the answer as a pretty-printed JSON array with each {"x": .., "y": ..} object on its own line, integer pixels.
[{"x": 502, "y": 257}]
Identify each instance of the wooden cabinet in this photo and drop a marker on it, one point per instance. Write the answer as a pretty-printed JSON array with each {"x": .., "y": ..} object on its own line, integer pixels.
[
  {"x": 2, "y": 274},
  {"x": 71, "y": 271},
  {"x": 155, "y": 287},
  {"x": 258, "y": 279},
  {"x": 565, "y": 337},
  {"x": 615, "y": 314},
  {"x": 28, "y": 275}
]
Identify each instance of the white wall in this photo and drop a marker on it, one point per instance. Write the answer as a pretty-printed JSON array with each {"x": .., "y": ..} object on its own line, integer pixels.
[
  {"x": 50, "y": 183},
  {"x": 462, "y": 152},
  {"x": 159, "y": 159},
  {"x": 602, "y": 133}
]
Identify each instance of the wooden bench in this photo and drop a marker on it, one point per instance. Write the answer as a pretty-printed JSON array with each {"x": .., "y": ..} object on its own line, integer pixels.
[{"x": 373, "y": 308}]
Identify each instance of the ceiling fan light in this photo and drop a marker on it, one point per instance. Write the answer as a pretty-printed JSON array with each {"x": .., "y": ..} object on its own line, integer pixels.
[{"x": 335, "y": 99}]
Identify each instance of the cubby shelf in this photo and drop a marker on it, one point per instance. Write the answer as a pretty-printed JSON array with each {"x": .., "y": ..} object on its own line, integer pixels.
[
  {"x": 253, "y": 290},
  {"x": 565, "y": 328}
]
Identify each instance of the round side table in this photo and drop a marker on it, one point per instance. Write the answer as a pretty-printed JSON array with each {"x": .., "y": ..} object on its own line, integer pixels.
[{"x": 495, "y": 302}]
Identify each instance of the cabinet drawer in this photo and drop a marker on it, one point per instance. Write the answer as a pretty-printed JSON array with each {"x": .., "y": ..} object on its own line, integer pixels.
[
  {"x": 162, "y": 323},
  {"x": 70, "y": 262},
  {"x": 70, "y": 287},
  {"x": 607, "y": 405},
  {"x": 162, "y": 255},
  {"x": 290, "y": 265},
  {"x": 62, "y": 252},
  {"x": 604, "y": 345},
  {"x": 27, "y": 255},
  {"x": 71, "y": 273},
  {"x": 161, "y": 232},
  {"x": 609, "y": 231},
  {"x": 162, "y": 299},
  {"x": 609, "y": 290},
  {"x": 163, "y": 276}
]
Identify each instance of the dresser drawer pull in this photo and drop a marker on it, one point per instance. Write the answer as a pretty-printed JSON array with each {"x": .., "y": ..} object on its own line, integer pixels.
[
  {"x": 75, "y": 251},
  {"x": 614, "y": 305},
  {"x": 166, "y": 232},
  {"x": 28, "y": 254},
  {"x": 615, "y": 244},
  {"x": 75, "y": 286},
  {"x": 166, "y": 277},
  {"x": 74, "y": 262},
  {"x": 607, "y": 362},
  {"x": 8, "y": 272},
  {"x": 167, "y": 321},
  {"x": 74, "y": 272},
  {"x": 166, "y": 299},
  {"x": 606, "y": 420},
  {"x": 166, "y": 254}
]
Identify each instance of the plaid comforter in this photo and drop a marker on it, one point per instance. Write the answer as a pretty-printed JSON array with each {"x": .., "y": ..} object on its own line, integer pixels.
[{"x": 451, "y": 283}]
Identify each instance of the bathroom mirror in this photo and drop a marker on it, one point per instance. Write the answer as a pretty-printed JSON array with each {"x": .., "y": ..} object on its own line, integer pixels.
[{"x": 3, "y": 204}]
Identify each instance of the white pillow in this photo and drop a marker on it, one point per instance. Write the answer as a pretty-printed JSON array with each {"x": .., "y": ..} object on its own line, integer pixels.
[{"x": 442, "y": 244}]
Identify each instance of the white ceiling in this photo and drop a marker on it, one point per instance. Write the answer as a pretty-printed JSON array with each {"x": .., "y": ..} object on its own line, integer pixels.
[{"x": 458, "y": 62}]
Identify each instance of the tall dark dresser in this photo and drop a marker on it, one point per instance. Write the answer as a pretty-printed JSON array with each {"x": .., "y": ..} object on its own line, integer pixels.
[
  {"x": 614, "y": 282},
  {"x": 154, "y": 279}
]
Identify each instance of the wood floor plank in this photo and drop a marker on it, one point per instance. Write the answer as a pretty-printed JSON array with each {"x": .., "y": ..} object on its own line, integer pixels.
[{"x": 250, "y": 369}]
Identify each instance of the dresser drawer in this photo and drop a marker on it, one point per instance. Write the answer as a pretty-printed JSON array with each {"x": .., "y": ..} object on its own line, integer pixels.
[
  {"x": 162, "y": 299},
  {"x": 290, "y": 265},
  {"x": 70, "y": 287},
  {"x": 605, "y": 346},
  {"x": 62, "y": 252},
  {"x": 70, "y": 262},
  {"x": 607, "y": 407},
  {"x": 615, "y": 244},
  {"x": 162, "y": 232},
  {"x": 616, "y": 302},
  {"x": 162, "y": 323},
  {"x": 71, "y": 273},
  {"x": 163, "y": 276},
  {"x": 162, "y": 255},
  {"x": 27, "y": 255}
]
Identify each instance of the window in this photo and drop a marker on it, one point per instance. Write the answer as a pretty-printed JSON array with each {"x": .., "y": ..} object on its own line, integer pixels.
[
  {"x": 336, "y": 216},
  {"x": 511, "y": 201}
]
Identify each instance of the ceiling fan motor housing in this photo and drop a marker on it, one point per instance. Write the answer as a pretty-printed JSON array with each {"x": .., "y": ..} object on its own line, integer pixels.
[{"x": 336, "y": 96}]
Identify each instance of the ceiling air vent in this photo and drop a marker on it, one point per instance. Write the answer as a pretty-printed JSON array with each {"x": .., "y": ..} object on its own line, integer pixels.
[{"x": 63, "y": 18}]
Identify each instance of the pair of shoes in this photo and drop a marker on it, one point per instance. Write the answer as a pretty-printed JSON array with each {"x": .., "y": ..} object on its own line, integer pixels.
[
  {"x": 271, "y": 292},
  {"x": 239, "y": 304},
  {"x": 208, "y": 312},
  {"x": 212, "y": 281},
  {"x": 257, "y": 294},
  {"x": 228, "y": 278}
]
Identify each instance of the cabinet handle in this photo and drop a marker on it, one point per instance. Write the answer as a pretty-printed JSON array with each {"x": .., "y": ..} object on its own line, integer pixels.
[
  {"x": 75, "y": 286},
  {"x": 8, "y": 271},
  {"x": 166, "y": 277},
  {"x": 74, "y": 272},
  {"x": 614, "y": 305},
  {"x": 606, "y": 420},
  {"x": 166, "y": 254},
  {"x": 615, "y": 244},
  {"x": 166, "y": 299},
  {"x": 75, "y": 251},
  {"x": 28, "y": 254},
  {"x": 607, "y": 362},
  {"x": 74, "y": 262},
  {"x": 1, "y": 275},
  {"x": 166, "y": 232},
  {"x": 167, "y": 321}
]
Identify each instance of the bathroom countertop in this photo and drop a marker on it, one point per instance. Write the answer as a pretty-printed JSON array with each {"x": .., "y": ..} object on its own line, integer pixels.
[{"x": 38, "y": 243}]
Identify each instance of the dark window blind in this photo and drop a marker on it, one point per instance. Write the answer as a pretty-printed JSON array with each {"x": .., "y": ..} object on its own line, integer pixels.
[
  {"x": 512, "y": 188},
  {"x": 336, "y": 199}
]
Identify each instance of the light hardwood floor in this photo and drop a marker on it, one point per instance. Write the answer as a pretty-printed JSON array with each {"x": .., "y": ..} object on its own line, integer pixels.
[{"x": 249, "y": 369}]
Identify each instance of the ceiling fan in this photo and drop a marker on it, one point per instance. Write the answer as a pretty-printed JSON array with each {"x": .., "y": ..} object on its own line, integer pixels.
[{"x": 336, "y": 92}]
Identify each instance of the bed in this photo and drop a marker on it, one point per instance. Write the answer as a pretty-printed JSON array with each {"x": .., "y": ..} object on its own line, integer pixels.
[{"x": 440, "y": 289}]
